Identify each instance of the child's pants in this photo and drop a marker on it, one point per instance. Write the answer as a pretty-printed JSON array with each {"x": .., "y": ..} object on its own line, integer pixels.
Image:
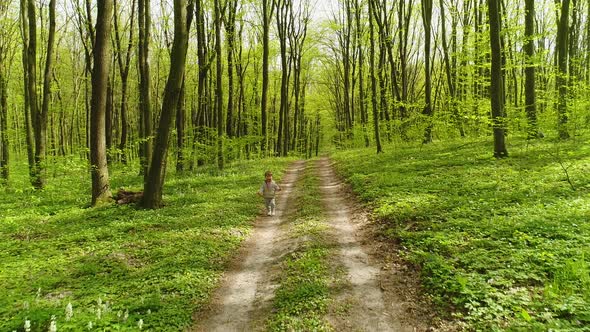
[{"x": 270, "y": 204}]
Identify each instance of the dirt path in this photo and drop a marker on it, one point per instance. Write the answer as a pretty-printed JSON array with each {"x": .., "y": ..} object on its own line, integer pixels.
[
  {"x": 375, "y": 297},
  {"x": 245, "y": 286},
  {"x": 369, "y": 308}
]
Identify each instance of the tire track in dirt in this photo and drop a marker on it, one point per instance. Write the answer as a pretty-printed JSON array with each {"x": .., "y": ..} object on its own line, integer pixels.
[
  {"x": 366, "y": 306},
  {"x": 245, "y": 287}
]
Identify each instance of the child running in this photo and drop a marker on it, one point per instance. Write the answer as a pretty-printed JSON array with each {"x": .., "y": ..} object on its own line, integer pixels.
[{"x": 268, "y": 190}]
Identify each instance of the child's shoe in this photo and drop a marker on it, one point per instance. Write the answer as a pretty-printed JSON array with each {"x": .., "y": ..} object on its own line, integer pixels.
[
  {"x": 269, "y": 213},
  {"x": 272, "y": 212}
]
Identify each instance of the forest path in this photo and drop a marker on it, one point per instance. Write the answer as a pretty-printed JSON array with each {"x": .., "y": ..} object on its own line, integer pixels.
[
  {"x": 371, "y": 299},
  {"x": 369, "y": 304},
  {"x": 246, "y": 287}
]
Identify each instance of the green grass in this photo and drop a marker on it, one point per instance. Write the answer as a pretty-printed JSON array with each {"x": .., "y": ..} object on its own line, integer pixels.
[
  {"x": 501, "y": 244},
  {"x": 159, "y": 266},
  {"x": 302, "y": 299}
]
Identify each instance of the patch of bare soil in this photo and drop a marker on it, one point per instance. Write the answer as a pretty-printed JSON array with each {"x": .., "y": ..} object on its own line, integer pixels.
[
  {"x": 247, "y": 289},
  {"x": 381, "y": 292}
]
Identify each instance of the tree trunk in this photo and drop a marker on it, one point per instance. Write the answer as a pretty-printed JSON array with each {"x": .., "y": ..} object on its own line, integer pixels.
[
  {"x": 101, "y": 191},
  {"x": 180, "y": 120},
  {"x": 4, "y": 146},
  {"x": 218, "y": 85},
  {"x": 373, "y": 78},
  {"x": 230, "y": 35},
  {"x": 497, "y": 99},
  {"x": 145, "y": 113},
  {"x": 152, "y": 197},
  {"x": 561, "y": 78},
  {"x": 27, "y": 102},
  {"x": 529, "y": 70},
  {"x": 361, "y": 60},
  {"x": 124, "y": 72},
  {"x": 266, "y": 17},
  {"x": 428, "y": 110}
]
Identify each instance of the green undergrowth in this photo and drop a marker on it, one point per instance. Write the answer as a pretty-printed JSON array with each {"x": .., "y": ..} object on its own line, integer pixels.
[
  {"x": 302, "y": 299},
  {"x": 118, "y": 265},
  {"x": 501, "y": 244}
]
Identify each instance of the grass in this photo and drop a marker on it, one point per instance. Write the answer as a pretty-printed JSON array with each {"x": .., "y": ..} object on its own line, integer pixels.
[
  {"x": 501, "y": 244},
  {"x": 303, "y": 297},
  {"x": 118, "y": 265}
]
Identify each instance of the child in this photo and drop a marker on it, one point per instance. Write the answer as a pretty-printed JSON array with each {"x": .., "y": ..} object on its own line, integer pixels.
[{"x": 268, "y": 191}]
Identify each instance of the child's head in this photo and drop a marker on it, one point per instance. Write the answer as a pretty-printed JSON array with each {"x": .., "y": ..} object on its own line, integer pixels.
[{"x": 268, "y": 175}]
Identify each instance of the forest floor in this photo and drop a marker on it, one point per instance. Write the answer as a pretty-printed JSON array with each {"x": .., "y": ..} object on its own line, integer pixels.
[{"x": 365, "y": 289}]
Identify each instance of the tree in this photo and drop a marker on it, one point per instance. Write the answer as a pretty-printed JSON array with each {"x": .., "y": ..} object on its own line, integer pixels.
[
  {"x": 496, "y": 88},
  {"x": 428, "y": 109},
  {"x": 218, "y": 84},
  {"x": 101, "y": 191},
  {"x": 562, "y": 61},
  {"x": 373, "y": 78},
  {"x": 529, "y": 71},
  {"x": 152, "y": 197},
  {"x": 267, "y": 12},
  {"x": 145, "y": 113},
  {"x": 124, "y": 63}
]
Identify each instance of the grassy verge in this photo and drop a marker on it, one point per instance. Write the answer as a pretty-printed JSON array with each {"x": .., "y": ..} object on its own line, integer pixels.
[
  {"x": 117, "y": 265},
  {"x": 302, "y": 299},
  {"x": 501, "y": 244}
]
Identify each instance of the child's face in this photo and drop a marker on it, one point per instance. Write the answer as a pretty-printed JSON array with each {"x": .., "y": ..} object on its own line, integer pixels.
[{"x": 268, "y": 177}]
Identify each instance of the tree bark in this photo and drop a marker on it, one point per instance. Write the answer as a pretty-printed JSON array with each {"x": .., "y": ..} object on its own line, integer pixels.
[
  {"x": 373, "y": 78},
  {"x": 152, "y": 197},
  {"x": 497, "y": 99},
  {"x": 124, "y": 72},
  {"x": 145, "y": 112},
  {"x": 266, "y": 17},
  {"x": 529, "y": 70},
  {"x": 561, "y": 80},
  {"x": 428, "y": 109},
  {"x": 101, "y": 191},
  {"x": 218, "y": 85}
]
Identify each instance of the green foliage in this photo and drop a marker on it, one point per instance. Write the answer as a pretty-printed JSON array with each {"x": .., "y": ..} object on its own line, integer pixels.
[
  {"x": 158, "y": 266},
  {"x": 501, "y": 244}
]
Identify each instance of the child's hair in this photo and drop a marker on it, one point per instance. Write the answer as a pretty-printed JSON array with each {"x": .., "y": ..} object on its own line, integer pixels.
[{"x": 267, "y": 173}]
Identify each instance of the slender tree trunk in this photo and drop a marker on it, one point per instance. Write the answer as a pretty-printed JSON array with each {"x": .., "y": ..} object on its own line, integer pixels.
[
  {"x": 529, "y": 71},
  {"x": 31, "y": 68},
  {"x": 496, "y": 94},
  {"x": 428, "y": 109},
  {"x": 180, "y": 124},
  {"x": 27, "y": 102},
  {"x": 101, "y": 191},
  {"x": 266, "y": 17},
  {"x": 145, "y": 113},
  {"x": 230, "y": 35},
  {"x": 152, "y": 197},
  {"x": 4, "y": 146},
  {"x": 373, "y": 78},
  {"x": 361, "y": 60},
  {"x": 218, "y": 85},
  {"x": 124, "y": 72},
  {"x": 562, "y": 61}
]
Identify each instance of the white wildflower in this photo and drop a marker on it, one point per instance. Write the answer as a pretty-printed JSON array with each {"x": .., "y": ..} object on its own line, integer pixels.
[
  {"x": 98, "y": 313},
  {"x": 26, "y": 305},
  {"x": 119, "y": 314},
  {"x": 27, "y": 325},
  {"x": 53, "y": 324},
  {"x": 125, "y": 315},
  {"x": 69, "y": 312},
  {"x": 149, "y": 312},
  {"x": 99, "y": 301},
  {"x": 90, "y": 325},
  {"x": 140, "y": 324}
]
